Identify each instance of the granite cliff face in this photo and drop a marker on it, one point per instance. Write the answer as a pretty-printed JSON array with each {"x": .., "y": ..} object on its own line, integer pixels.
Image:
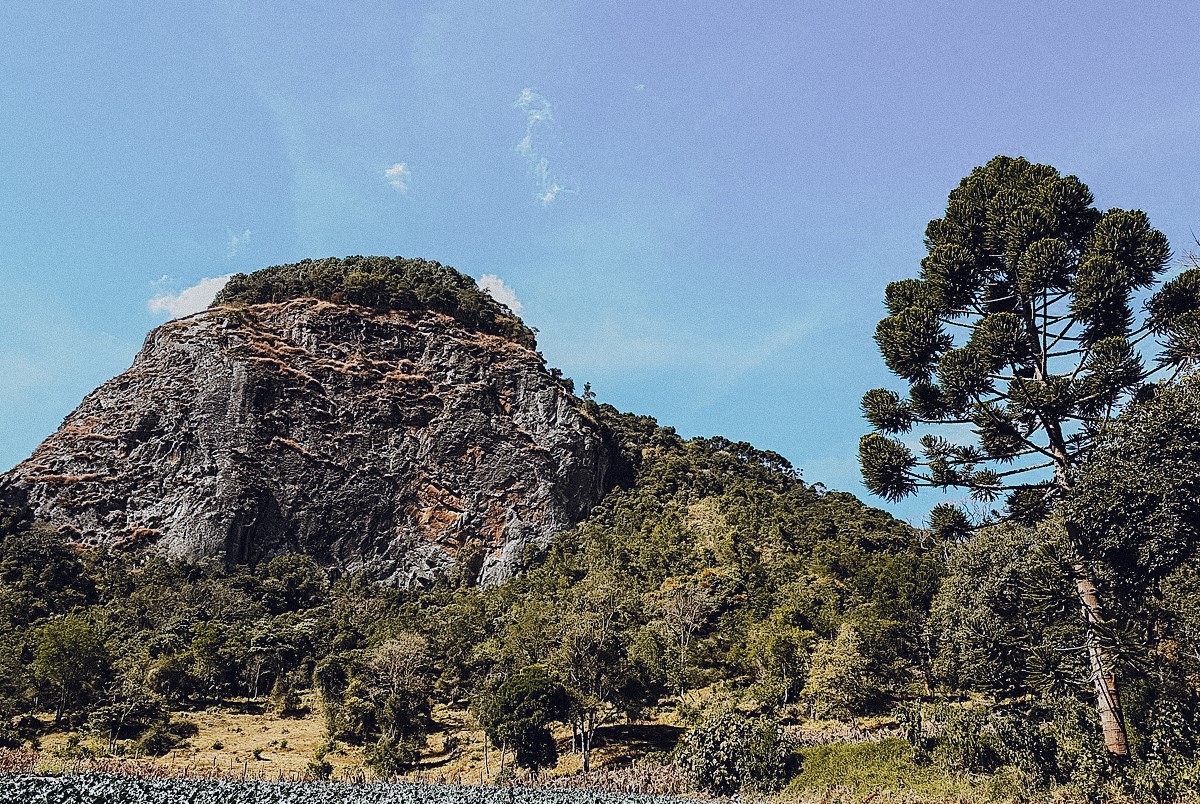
[{"x": 397, "y": 443}]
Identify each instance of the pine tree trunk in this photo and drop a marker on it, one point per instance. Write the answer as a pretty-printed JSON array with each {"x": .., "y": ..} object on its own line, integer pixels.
[
  {"x": 1104, "y": 680},
  {"x": 1103, "y": 677}
]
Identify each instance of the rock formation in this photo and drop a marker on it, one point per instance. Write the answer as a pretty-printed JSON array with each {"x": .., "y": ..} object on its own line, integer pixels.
[{"x": 395, "y": 443}]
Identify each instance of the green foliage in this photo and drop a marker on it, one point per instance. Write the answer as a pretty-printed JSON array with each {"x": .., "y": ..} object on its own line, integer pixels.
[
  {"x": 70, "y": 663},
  {"x": 380, "y": 697},
  {"x": 987, "y": 740},
  {"x": 319, "y": 766},
  {"x": 887, "y": 466},
  {"x": 392, "y": 757},
  {"x": 40, "y": 576},
  {"x": 839, "y": 682},
  {"x": 949, "y": 524},
  {"x": 1137, "y": 499},
  {"x": 285, "y": 700},
  {"x": 517, "y": 713},
  {"x": 127, "y": 716},
  {"x": 865, "y": 768},
  {"x": 1039, "y": 285},
  {"x": 887, "y": 412},
  {"x": 383, "y": 283},
  {"x": 729, "y": 752},
  {"x": 165, "y": 735}
]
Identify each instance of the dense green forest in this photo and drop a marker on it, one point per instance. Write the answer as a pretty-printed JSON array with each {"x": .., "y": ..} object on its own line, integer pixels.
[
  {"x": 718, "y": 568},
  {"x": 1042, "y": 638}
]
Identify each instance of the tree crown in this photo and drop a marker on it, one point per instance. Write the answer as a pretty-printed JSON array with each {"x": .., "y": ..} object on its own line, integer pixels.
[{"x": 1022, "y": 327}]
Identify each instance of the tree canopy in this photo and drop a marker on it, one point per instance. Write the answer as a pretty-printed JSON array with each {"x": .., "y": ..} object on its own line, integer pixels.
[{"x": 1021, "y": 327}]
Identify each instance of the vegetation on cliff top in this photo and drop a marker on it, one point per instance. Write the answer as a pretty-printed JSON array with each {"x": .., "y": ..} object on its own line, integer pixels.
[{"x": 381, "y": 283}]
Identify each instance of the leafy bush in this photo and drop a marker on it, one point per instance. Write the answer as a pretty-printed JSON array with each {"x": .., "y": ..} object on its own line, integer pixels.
[
  {"x": 729, "y": 752},
  {"x": 970, "y": 740},
  {"x": 384, "y": 283},
  {"x": 162, "y": 737},
  {"x": 517, "y": 715},
  {"x": 285, "y": 700},
  {"x": 127, "y": 718},
  {"x": 839, "y": 682},
  {"x": 392, "y": 757},
  {"x": 319, "y": 766}
]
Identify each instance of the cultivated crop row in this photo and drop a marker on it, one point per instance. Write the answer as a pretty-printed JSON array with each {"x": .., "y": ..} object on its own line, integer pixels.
[{"x": 102, "y": 788}]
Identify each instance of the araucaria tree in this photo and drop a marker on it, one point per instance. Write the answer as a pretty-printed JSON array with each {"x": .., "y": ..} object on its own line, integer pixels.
[{"x": 1022, "y": 329}]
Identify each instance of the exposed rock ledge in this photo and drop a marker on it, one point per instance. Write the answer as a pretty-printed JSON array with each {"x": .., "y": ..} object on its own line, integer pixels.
[{"x": 386, "y": 443}]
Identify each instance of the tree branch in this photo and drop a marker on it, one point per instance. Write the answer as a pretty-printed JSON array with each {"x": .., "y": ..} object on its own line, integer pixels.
[{"x": 1025, "y": 440}]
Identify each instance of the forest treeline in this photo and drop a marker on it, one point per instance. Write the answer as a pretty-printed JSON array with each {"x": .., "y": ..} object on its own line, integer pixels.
[
  {"x": 1043, "y": 638},
  {"x": 719, "y": 570}
]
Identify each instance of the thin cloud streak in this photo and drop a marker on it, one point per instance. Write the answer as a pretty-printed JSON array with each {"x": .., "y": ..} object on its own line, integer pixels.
[
  {"x": 539, "y": 124},
  {"x": 399, "y": 176},
  {"x": 237, "y": 242}
]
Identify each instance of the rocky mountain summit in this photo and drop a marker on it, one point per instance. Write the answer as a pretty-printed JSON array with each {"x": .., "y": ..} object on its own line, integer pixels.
[{"x": 402, "y": 443}]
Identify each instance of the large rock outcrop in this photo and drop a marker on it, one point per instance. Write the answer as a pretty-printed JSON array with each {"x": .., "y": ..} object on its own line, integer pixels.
[{"x": 391, "y": 443}]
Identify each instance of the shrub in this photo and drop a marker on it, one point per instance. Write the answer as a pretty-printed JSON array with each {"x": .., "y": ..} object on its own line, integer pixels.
[
  {"x": 285, "y": 701},
  {"x": 391, "y": 758},
  {"x": 162, "y": 737},
  {"x": 728, "y": 752},
  {"x": 319, "y": 766},
  {"x": 969, "y": 741},
  {"x": 127, "y": 718},
  {"x": 839, "y": 683}
]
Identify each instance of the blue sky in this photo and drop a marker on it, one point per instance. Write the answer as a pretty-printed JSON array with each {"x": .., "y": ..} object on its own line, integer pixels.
[{"x": 697, "y": 205}]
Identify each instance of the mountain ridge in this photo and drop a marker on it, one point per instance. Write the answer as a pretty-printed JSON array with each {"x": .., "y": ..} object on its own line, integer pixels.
[{"x": 387, "y": 441}]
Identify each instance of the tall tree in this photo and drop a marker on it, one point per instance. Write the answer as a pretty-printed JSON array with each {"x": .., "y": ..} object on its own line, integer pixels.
[
  {"x": 71, "y": 662},
  {"x": 1021, "y": 328}
]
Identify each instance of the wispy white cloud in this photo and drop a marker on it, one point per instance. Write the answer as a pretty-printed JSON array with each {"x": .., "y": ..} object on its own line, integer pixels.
[
  {"x": 237, "y": 242},
  {"x": 189, "y": 300},
  {"x": 539, "y": 128},
  {"x": 399, "y": 176},
  {"x": 495, "y": 287},
  {"x": 639, "y": 87}
]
